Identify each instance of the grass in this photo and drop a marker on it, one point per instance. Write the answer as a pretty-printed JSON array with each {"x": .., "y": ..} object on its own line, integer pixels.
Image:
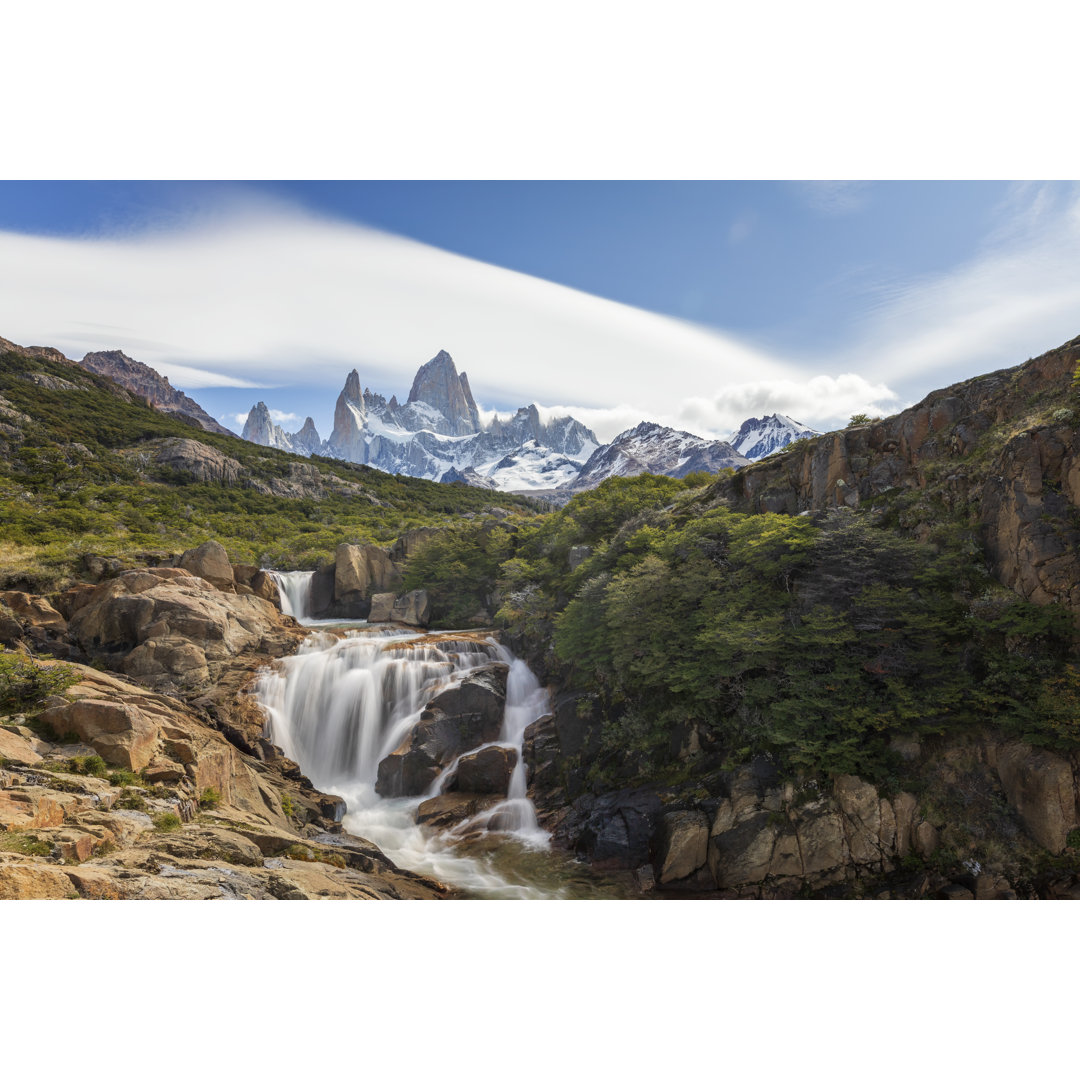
[
  {"x": 24, "y": 844},
  {"x": 302, "y": 853}
]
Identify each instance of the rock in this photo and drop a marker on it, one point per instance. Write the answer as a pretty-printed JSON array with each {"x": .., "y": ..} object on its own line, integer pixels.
[
  {"x": 821, "y": 838},
  {"x": 955, "y": 891},
  {"x": 382, "y": 607},
  {"x": 439, "y": 385},
  {"x": 615, "y": 830},
  {"x": 16, "y": 748},
  {"x": 34, "y": 610},
  {"x": 409, "y": 543},
  {"x": 684, "y": 844},
  {"x": 861, "y": 809},
  {"x": 452, "y": 808},
  {"x": 265, "y": 587},
  {"x": 32, "y": 808},
  {"x": 1039, "y": 786},
  {"x": 577, "y": 555},
  {"x": 926, "y": 839},
  {"x": 188, "y": 627},
  {"x": 904, "y": 806},
  {"x": 456, "y": 720},
  {"x": 209, "y": 561},
  {"x": 487, "y": 772},
  {"x": 122, "y": 734},
  {"x": 540, "y": 749},
  {"x": 33, "y": 881},
  {"x": 205, "y": 463},
  {"x": 413, "y": 609},
  {"x": 70, "y": 600},
  {"x": 742, "y": 854},
  {"x": 362, "y": 570}
]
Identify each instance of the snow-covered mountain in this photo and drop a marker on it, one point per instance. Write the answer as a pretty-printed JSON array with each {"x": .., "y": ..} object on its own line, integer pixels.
[
  {"x": 759, "y": 438},
  {"x": 437, "y": 435},
  {"x": 655, "y": 449}
]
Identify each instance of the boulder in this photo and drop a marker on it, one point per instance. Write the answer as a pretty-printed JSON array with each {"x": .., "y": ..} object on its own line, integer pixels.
[
  {"x": 33, "y": 881},
  {"x": 382, "y": 607},
  {"x": 32, "y": 808},
  {"x": 34, "y": 610},
  {"x": 684, "y": 844},
  {"x": 413, "y": 609},
  {"x": 209, "y": 561},
  {"x": 860, "y": 808},
  {"x": 121, "y": 733},
  {"x": 13, "y": 747},
  {"x": 361, "y": 570},
  {"x": 487, "y": 772},
  {"x": 186, "y": 625},
  {"x": 452, "y": 808},
  {"x": 458, "y": 719},
  {"x": 1039, "y": 786}
]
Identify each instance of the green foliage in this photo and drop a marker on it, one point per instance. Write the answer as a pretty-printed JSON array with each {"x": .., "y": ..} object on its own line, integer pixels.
[
  {"x": 25, "y": 683},
  {"x": 860, "y": 418},
  {"x": 91, "y": 765},
  {"x": 167, "y": 822},
  {"x": 288, "y": 808},
  {"x": 82, "y": 479},
  {"x": 302, "y": 853},
  {"x": 24, "y": 844},
  {"x": 130, "y": 799},
  {"x": 210, "y": 798},
  {"x": 124, "y": 778}
]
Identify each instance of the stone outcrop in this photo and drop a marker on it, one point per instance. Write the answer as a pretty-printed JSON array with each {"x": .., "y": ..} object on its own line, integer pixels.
[
  {"x": 1041, "y": 787},
  {"x": 984, "y": 443},
  {"x": 486, "y": 772},
  {"x": 360, "y": 571},
  {"x": 459, "y": 719},
  {"x": 154, "y": 389},
  {"x": 165, "y": 626},
  {"x": 209, "y": 561}
]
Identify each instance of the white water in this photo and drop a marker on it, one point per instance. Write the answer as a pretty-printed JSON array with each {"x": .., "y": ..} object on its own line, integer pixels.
[
  {"x": 340, "y": 705},
  {"x": 294, "y": 587}
]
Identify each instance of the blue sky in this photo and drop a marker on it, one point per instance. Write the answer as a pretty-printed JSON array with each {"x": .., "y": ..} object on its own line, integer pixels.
[{"x": 692, "y": 303}]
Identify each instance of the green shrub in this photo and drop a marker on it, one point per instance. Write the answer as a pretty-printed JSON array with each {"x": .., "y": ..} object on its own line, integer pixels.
[
  {"x": 124, "y": 778},
  {"x": 167, "y": 822},
  {"x": 209, "y": 798},
  {"x": 24, "y": 683},
  {"x": 130, "y": 799},
  {"x": 287, "y": 806}
]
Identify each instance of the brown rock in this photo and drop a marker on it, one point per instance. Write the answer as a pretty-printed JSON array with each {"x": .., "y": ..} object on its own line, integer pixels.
[
  {"x": 743, "y": 854},
  {"x": 361, "y": 570},
  {"x": 33, "y": 881},
  {"x": 209, "y": 561},
  {"x": 452, "y": 808},
  {"x": 926, "y": 839},
  {"x": 904, "y": 806},
  {"x": 821, "y": 838},
  {"x": 860, "y": 808},
  {"x": 31, "y": 808},
  {"x": 413, "y": 609},
  {"x": 16, "y": 748},
  {"x": 487, "y": 772},
  {"x": 1039, "y": 786},
  {"x": 34, "y": 610},
  {"x": 122, "y": 734},
  {"x": 684, "y": 845},
  {"x": 382, "y": 607}
]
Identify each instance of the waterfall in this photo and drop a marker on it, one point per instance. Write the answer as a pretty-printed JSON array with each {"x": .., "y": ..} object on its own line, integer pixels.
[
  {"x": 342, "y": 704},
  {"x": 294, "y": 586}
]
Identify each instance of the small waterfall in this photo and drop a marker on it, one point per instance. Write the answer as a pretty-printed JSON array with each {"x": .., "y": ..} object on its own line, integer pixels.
[
  {"x": 341, "y": 704},
  {"x": 294, "y": 587}
]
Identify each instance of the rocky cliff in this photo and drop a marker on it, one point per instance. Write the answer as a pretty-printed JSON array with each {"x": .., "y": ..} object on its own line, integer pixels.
[
  {"x": 1001, "y": 452},
  {"x": 153, "y": 388}
]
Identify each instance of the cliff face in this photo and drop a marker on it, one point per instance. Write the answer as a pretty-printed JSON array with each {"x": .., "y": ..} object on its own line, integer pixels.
[
  {"x": 154, "y": 389},
  {"x": 1001, "y": 451}
]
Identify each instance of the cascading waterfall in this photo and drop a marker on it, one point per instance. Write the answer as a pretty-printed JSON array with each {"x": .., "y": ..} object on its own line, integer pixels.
[
  {"x": 341, "y": 704},
  {"x": 294, "y": 586}
]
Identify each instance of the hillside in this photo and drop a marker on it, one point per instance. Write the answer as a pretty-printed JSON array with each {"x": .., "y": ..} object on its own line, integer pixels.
[{"x": 87, "y": 468}]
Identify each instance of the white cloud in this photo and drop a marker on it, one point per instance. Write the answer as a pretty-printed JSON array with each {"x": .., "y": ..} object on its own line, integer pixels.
[
  {"x": 240, "y": 417},
  {"x": 1018, "y": 297}
]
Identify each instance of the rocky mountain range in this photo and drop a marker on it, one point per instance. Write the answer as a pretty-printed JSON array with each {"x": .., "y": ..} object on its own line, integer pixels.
[{"x": 438, "y": 435}]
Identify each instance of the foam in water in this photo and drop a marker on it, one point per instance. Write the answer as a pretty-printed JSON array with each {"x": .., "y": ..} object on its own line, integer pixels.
[{"x": 340, "y": 705}]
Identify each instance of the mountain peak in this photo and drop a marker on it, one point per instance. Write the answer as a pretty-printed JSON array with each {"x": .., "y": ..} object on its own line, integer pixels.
[{"x": 439, "y": 385}]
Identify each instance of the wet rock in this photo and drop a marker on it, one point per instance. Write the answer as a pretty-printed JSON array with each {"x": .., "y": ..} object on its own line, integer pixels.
[
  {"x": 540, "y": 749},
  {"x": 456, "y": 720},
  {"x": 614, "y": 830},
  {"x": 452, "y": 808},
  {"x": 487, "y": 772},
  {"x": 413, "y": 609},
  {"x": 382, "y": 607}
]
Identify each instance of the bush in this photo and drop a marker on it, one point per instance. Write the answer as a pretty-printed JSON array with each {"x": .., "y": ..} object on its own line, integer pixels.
[
  {"x": 287, "y": 807},
  {"x": 24, "y": 683},
  {"x": 209, "y": 798},
  {"x": 167, "y": 822}
]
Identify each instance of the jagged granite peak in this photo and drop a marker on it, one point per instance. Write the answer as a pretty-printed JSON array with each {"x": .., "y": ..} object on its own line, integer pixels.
[
  {"x": 143, "y": 381},
  {"x": 438, "y": 384},
  {"x": 260, "y": 428},
  {"x": 653, "y": 448},
  {"x": 757, "y": 438}
]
